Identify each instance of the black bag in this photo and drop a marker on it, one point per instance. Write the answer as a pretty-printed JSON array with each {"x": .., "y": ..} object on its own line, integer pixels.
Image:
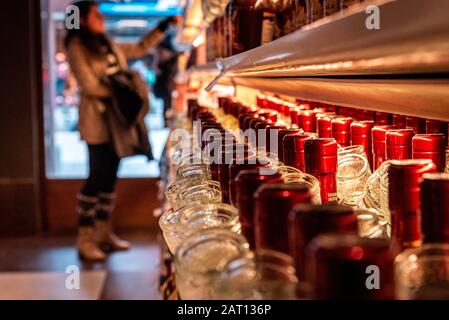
[{"x": 125, "y": 96}]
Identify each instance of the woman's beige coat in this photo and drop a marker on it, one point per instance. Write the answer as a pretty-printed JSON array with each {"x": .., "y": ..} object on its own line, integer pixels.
[{"x": 88, "y": 70}]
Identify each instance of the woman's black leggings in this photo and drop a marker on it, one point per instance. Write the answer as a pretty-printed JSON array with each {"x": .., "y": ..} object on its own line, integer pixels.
[
  {"x": 103, "y": 167},
  {"x": 97, "y": 195}
]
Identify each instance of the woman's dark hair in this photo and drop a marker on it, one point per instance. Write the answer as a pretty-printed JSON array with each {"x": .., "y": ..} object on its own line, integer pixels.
[{"x": 95, "y": 43}]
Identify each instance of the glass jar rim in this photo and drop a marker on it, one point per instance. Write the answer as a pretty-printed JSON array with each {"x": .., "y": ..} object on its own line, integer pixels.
[
  {"x": 262, "y": 260},
  {"x": 348, "y": 158},
  {"x": 415, "y": 254},
  {"x": 195, "y": 212}
]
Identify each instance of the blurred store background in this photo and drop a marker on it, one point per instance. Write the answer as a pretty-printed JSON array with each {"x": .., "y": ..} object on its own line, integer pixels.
[{"x": 126, "y": 21}]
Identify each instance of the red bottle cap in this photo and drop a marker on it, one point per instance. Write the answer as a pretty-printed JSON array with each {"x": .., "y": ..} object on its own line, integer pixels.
[
  {"x": 341, "y": 130},
  {"x": 324, "y": 126},
  {"x": 306, "y": 221},
  {"x": 293, "y": 149},
  {"x": 404, "y": 200},
  {"x": 246, "y": 184},
  {"x": 273, "y": 203},
  {"x": 321, "y": 155},
  {"x": 338, "y": 267},
  {"x": 399, "y": 144},
  {"x": 235, "y": 168},
  {"x": 192, "y": 107},
  {"x": 272, "y": 131},
  {"x": 368, "y": 115},
  {"x": 240, "y": 155},
  {"x": 418, "y": 125},
  {"x": 294, "y": 115},
  {"x": 435, "y": 207},
  {"x": 271, "y": 115},
  {"x": 435, "y": 126},
  {"x": 361, "y": 135},
  {"x": 383, "y": 118},
  {"x": 399, "y": 120},
  {"x": 281, "y": 134},
  {"x": 255, "y": 121},
  {"x": 222, "y": 101},
  {"x": 261, "y": 100},
  {"x": 307, "y": 121},
  {"x": 430, "y": 146},
  {"x": 379, "y": 144},
  {"x": 331, "y": 108},
  {"x": 321, "y": 161},
  {"x": 242, "y": 118}
]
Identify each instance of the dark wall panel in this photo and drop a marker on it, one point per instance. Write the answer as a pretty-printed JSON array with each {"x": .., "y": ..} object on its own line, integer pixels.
[{"x": 20, "y": 92}]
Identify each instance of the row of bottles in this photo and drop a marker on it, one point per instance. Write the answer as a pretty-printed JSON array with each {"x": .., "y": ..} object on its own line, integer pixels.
[
  {"x": 248, "y": 24},
  {"x": 242, "y": 231}
]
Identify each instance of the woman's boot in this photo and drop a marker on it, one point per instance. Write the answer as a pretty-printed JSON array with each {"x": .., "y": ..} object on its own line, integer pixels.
[
  {"x": 87, "y": 247},
  {"x": 104, "y": 235}
]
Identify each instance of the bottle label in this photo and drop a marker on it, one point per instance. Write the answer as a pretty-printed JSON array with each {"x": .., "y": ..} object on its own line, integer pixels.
[{"x": 267, "y": 28}]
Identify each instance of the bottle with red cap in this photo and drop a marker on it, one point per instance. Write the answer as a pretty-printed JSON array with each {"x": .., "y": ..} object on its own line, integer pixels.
[
  {"x": 246, "y": 184},
  {"x": 321, "y": 161},
  {"x": 399, "y": 121},
  {"x": 281, "y": 134},
  {"x": 435, "y": 207},
  {"x": 404, "y": 201},
  {"x": 378, "y": 138},
  {"x": 307, "y": 120},
  {"x": 434, "y": 126},
  {"x": 383, "y": 119},
  {"x": 418, "y": 125},
  {"x": 306, "y": 221},
  {"x": 399, "y": 144},
  {"x": 240, "y": 154},
  {"x": 339, "y": 267},
  {"x": 361, "y": 135},
  {"x": 235, "y": 168},
  {"x": 430, "y": 146},
  {"x": 368, "y": 115},
  {"x": 293, "y": 149},
  {"x": 341, "y": 130},
  {"x": 323, "y": 124},
  {"x": 273, "y": 203},
  {"x": 271, "y": 138}
]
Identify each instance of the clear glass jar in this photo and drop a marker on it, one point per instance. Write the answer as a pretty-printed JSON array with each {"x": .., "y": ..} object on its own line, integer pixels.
[
  {"x": 168, "y": 223},
  {"x": 423, "y": 273},
  {"x": 207, "y": 191},
  {"x": 352, "y": 174},
  {"x": 384, "y": 210},
  {"x": 308, "y": 179},
  {"x": 371, "y": 224},
  {"x": 201, "y": 258},
  {"x": 193, "y": 171},
  {"x": 183, "y": 148},
  {"x": 375, "y": 195},
  {"x": 173, "y": 190},
  {"x": 284, "y": 170},
  {"x": 263, "y": 275},
  {"x": 208, "y": 216}
]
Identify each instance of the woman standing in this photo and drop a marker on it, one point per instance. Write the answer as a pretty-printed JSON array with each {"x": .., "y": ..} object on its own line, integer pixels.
[{"x": 93, "y": 57}]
